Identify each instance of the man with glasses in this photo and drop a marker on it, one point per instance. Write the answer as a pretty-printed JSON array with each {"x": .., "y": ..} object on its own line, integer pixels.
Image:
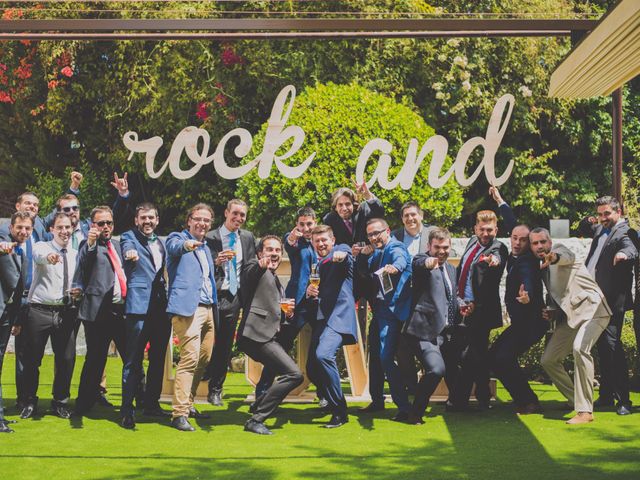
[
  {"x": 52, "y": 315},
  {"x": 101, "y": 282},
  {"x": 388, "y": 288},
  {"x": 192, "y": 306}
]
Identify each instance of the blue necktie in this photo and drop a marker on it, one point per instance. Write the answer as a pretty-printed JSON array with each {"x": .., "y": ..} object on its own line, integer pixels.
[
  {"x": 233, "y": 266},
  {"x": 606, "y": 231}
]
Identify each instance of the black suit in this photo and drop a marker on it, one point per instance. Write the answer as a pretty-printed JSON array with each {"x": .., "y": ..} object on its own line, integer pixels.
[
  {"x": 103, "y": 320},
  {"x": 10, "y": 287},
  {"x": 615, "y": 282},
  {"x": 430, "y": 324},
  {"x": 472, "y": 337},
  {"x": 366, "y": 211},
  {"x": 228, "y": 308},
  {"x": 527, "y": 327},
  {"x": 260, "y": 323}
]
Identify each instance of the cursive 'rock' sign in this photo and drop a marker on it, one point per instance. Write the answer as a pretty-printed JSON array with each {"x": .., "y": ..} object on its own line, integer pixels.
[{"x": 278, "y": 134}]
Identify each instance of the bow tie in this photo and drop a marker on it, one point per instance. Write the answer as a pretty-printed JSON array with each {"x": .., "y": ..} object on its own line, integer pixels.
[
  {"x": 152, "y": 238},
  {"x": 606, "y": 231},
  {"x": 19, "y": 250}
]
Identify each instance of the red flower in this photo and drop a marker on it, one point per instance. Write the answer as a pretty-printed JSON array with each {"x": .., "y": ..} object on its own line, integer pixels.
[
  {"x": 202, "y": 113},
  {"x": 229, "y": 57},
  {"x": 176, "y": 341},
  {"x": 5, "y": 97},
  {"x": 23, "y": 71},
  {"x": 67, "y": 71},
  {"x": 11, "y": 13},
  {"x": 147, "y": 347},
  {"x": 53, "y": 84},
  {"x": 221, "y": 99}
]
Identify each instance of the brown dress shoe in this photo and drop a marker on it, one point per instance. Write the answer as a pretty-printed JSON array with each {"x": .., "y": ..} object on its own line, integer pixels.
[{"x": 581, "y": 417}]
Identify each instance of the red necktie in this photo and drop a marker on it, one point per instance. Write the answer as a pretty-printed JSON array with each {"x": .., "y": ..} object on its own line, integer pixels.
[
  {"x": 117, "y": 268},
  {"x": 462, "y": 281}
]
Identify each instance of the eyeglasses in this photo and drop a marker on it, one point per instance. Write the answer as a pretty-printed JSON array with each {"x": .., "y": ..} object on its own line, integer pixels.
[
  {"x": 102, "y": 223},
  {"x": 72, "y": 208},
  {"x": 206, "y": 221},
  {"x": 375, "y": 233}
]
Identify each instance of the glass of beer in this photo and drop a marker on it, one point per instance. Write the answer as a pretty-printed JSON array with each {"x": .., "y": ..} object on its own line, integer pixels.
[
  {"x": 314, "y": 279},
  {"x": 551, "y": 314},
  {"x": 287, "y": 305}
]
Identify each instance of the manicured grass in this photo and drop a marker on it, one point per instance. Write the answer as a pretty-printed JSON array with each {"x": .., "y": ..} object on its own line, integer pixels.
[{"x": 492, "y": 445}]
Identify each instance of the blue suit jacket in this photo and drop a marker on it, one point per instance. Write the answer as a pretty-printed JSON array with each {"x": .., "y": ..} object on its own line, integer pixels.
[
  {"x": 397, "y": 300},
  {"x": 142, "y": 278},
  {"x": 524, "y": 270},
  {"x": 301, "y": 257},
  {"x": 185, "y": 275},
  {"x": 336, "y": 299}
]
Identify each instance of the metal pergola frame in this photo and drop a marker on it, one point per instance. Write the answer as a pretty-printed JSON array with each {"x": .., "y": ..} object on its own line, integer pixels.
[{"x": 314, "y": 29}]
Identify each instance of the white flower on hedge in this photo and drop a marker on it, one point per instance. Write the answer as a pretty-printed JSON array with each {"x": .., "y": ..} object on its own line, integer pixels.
[
  {"x": 528, "y": 79},
  {"x": 440, "y": 95},
  {"x": 457, "y": 107},
  {"x": 437, "y": 86},
  {"x": 460, "y": 60},
  {"x": 453, "y": 42},
  {"x": 478, "y": 92},
  {"x": 466, "y": 85},
  {"x": 442, "y": 57},
  {"x": 464, "y": 75},
  {"x": 525, "y": 91}
]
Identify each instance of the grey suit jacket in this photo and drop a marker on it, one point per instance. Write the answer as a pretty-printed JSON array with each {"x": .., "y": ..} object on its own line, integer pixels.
[
  {"x": 261, "y": 307},
  {"x": 398, "y": 234},
  {"x": 10, "y": 268},
  {"x": 576, "y": 292}
]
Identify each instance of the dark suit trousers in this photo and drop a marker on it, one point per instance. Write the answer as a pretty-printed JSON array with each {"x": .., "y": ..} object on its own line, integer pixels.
[
  {"x": 19, "y": 348},
  {"x": 322, "y": 365},
  {"x": 107, "y": 326},
  {"x": 5, "y": 334},
  {"x": 504, "y": 353},
  {"x": 432, "y": 356},
  {"x": 153, "y": 328},
  {"x": 272, "y": 356},
  {"x": 285, "y": 337},
  {"x": 59, "y": 325},
  {"x": 471, "y": 345},
  {"x": 614, "y": 381},
  {"x": 229, "y": 309}
]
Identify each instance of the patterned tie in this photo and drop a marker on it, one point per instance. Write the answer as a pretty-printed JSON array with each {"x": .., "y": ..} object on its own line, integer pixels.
[
  {"x": 349, "y": 225},
  {"x": 462, "y": 281},
  {"x": 450, "y": 309},
  {"x": 233, "y": 266},
  {"x": 117, "y": 268}
]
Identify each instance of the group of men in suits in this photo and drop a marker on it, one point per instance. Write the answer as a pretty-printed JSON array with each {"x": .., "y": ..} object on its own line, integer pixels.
[{"x": 212, "y": 286}]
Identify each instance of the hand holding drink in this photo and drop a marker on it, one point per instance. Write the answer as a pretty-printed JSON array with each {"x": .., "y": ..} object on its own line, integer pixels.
[{"x": 288, "y": 306}]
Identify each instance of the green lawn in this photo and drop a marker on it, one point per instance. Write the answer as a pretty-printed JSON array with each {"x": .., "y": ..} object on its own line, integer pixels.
[{"x": 493, "y": 445}]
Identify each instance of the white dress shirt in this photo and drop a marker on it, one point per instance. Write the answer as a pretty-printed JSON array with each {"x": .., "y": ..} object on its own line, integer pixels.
[
  {"x": 47, "y": 284},
  {"x": 225, "y": 237}
]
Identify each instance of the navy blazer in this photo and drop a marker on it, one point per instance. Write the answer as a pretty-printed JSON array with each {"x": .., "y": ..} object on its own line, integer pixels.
[
  {"x": 399, "y": 299},
  {"x": 366, "y": 211},
  {"x": 186, "y": 276},
  {"x": 142, "y": 280},
  {"x": 301, "y": 257},
  {"x": 524, "y": 270},
  {"x": 615, "y": 280},
  {"x": 94, "y": 274},
  {"x": 430, "y": 307},
  {"x": 335, "y": 299}
]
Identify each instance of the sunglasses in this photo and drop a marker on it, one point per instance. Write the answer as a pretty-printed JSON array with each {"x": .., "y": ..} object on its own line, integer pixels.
[
  {"x": 73, "y": 208},
  {"x": 102, "y": 223}
]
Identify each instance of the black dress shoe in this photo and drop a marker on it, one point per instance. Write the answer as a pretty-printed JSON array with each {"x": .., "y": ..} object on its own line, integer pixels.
[
  {"x": 401, "y": 417},
  {"x": 624, "y": 409},
  {"x": 4, "y": 428},
  {"x": 603, "y": 402},
  {"x": 215, "y": 398},
  {"x": 372, "y": 407},
  {"x": 128, "y": 422},
  {"x": 60, "y": 410},
  {"x": 182, "y": 424},
  {"x": 337, "y": 421},
  {"x": 156, "y": 412},
  {"x": 254, "y": 426},
  {"x": 103, "y": 401},
  {"x": 452, "y": 407},
  {"x": 28, "y": 411},
  {"x": 413, "y": 419},
  {"x": 193, "y": 413}
]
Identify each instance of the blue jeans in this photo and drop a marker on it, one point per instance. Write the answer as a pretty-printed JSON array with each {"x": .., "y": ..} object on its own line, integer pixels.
[{"x": 383, "y": 342}]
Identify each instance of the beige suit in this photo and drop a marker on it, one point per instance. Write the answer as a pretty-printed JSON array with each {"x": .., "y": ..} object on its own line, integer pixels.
[{"x": 573, "y": 288}]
